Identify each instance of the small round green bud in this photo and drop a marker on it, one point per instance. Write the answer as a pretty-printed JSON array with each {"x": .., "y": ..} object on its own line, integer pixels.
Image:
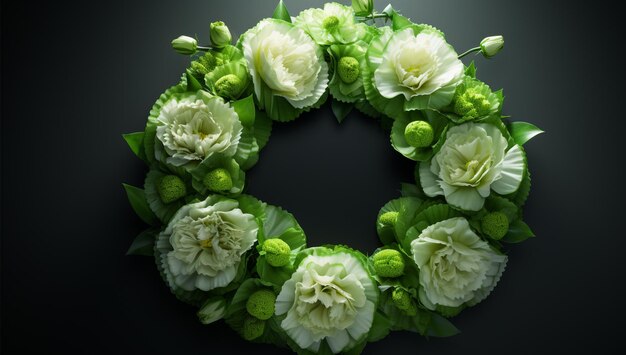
[
  {"x": 220, "y": 34},
  {"x": 348, "y": 69},
  {"x": 185, "y": 45},
  {"x": 388, "y": 218},
  {"x": 363, "y": 7},
  {"x": 330, "y": 23},
  {"x": 419, "y": 134},
  {"x": 490, "y": 46},
  {"x": 404, "y": 301},
  {"x": 228, "y": 86},
  {"x": 495, "y": 225},
  {"x": 449, "y": 312},
  {"x": 388, "y": 263},
  {"x": 218, "y": 180},
  {"x": 276, "y": 252},
  {"x": 171, "y": 188},
  {"x": 261, "y": 304},
  {"x": 253, "y": 328}
]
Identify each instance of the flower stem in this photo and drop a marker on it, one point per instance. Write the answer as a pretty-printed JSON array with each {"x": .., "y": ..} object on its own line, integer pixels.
[
  {"x": 203, "y": 48},
  {"x": 372, "y": 16},
  {"x": 475, "y": 49}
]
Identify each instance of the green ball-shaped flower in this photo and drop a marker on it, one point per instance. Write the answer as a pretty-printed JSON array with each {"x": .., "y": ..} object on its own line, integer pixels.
[
  {"x": 388, "y": 218},
  {"x": 495, "y": 225},
  {"x": 228, "y": 86},
  {"x": 404, "y": 301},
  {"x": 276, "y": 252},
  {"x": 253, "y": 328},
  {"x": 389, "y": 263},
  {"x": 348, "y": 69},
  {"x": 449, "y": 312},
  {"x": 261, "y": 304},
  {"x": 171, "y": 188},
  {"x": 472, "y": 104},
  {"x": 330, "y": 23},
  {"x": 218, "y": 180},
  {"x": 419, "y": 134}
]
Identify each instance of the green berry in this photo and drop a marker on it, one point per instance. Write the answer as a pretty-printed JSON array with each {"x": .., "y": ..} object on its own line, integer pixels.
[
  {"x": 261, "y": 304},
  {"x": 228, "y": 86},
  {"x": 218, "y": 180},
  {"x": 253, "y": 328},
  {"x": 388, "y": 218},
  {"x": 276, "y": 252},
  {"x": 404, "y": 301},
  {"x": 348, "y": 69},
  {"x": 495, "y": 225},
  {"x": 330, "y": 23},
  {"x": 419, "y": 134},
  {"x": 389, "y": 263},
  {"x": 171, "y": 188},
  {"x": 449, "y": 312}
]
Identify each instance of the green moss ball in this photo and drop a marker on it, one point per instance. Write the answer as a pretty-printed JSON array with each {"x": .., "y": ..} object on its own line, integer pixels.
[
  {"x": 419, "y": 134},
  {"x": 276, "y": 252},
  {"x": 495, "y": 225},
  {"x": 253, "y": 328},
  {"x": 261, "y": 304},
  {"x": 218, "y": 180},
  {"x": 228, "y": 86},
  {"x": 388, "y": 263},
  {"x": 348, "y": 69},
  {"x": 388, "y": 218},
  {"x": 404, "y": 301},
  {"x": 171, "y": 188}
]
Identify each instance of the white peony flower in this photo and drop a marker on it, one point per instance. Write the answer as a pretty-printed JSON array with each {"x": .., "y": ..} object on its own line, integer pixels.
[
  {"x": 332, "y": 25},
  {"x": 417, "y": 65},
  {"x": 472, "y": 161},
  {"x": 193, "y": 127},
  {"x": 329, "y": 297},
  {"x": 287, "y": 61},
  {"x": 456, "y": 266},
  {"x": 205, "y": 243}
]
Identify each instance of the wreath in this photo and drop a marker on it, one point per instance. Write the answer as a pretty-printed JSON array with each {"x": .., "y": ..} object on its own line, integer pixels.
[{"x": 245, "y": 261}]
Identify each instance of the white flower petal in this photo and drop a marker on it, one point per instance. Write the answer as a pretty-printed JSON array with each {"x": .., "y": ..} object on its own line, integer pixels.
[
  {"x": 428, "y": 180},
  {"x": 338, "y": 341},
  {"x": 466, "y": 198},
  {"x": 511, "y": 173}
]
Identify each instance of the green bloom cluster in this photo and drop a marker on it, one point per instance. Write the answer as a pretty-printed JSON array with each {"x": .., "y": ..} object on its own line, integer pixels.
[{"x": 241, "y": 260}]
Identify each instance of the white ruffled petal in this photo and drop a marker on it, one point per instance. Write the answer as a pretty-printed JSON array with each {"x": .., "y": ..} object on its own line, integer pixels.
[{"x": 512, "y": 172}]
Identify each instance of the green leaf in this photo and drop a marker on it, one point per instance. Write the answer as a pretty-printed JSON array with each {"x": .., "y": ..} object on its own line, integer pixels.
[
  {"x": 135, "y": 142},
  {"x": 143, "y": 243},
  {"x": 262, "y": 129},
  {"x": 495, "y": 203},
  {"x": 441, "y": 327},
  {"x": 245, "y": 110},
  {"x": 518, "y": 232},
  {"x": 470, "y": 70},
  {"x": 192, "y": 83},
  {"x": 522, "y": 132},
  {"x": 138, "y": 202},
  {"x": 399, "y": 22},
  {"x": 341, "y": 109},
  {"x": 281, "y": 13},
  {"x": 411, "y": 190},
  {"x": 381, "y": 326}
]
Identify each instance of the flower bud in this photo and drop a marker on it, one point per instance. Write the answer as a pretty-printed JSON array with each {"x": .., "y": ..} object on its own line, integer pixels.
[
  {"x": 261, "y": 304},
  {"x": 388, "y": 263},
  {"x": 220, "y": 34},
  {"x": 388, "y": 218},
  {"x": 253, "y": 328},
  {"x": 276, "y": 252},
  {"x": 495, "y": 225},
  {"x": 490, "y": 46},
  {"x": 212, "y": 310},
  {"x": 218, "y": 180},
  {"x": 229, "y": 86},
  {"x": 404, "y": 301},
  {"x": 171, "y": 188},
  {"x": 185, "y": 45},
  {"x": 348, "y": 69},
  {"x": 363, "y": 7},
  {"x": 419, "y": 134}
]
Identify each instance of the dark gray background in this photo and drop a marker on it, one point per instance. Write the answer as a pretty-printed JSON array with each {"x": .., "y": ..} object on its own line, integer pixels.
[{"x": 77, "y": 76}]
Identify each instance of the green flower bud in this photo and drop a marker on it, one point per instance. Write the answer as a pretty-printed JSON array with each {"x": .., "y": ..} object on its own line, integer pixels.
[
  {"x": 388, "y": 263},
  {"x": 198, "y": 68},
  {"x": 220, "y": 34},
  {"x": 363, "y": 7},
  {"x": 330, "y": 23},
  {"x": 171, "y": 188},
  {"x": 495, "y": 225},
  {"x": 419, "y": 134},
  {"x": 218, "y": 180},
  {"x": 449, "y": 312},
  {"x": 472, "y": 104},
  {"x": 212, "y": 310},
  {"x": 185, "y": 45},
  {"x": 348, "y": 69},
  {"x": 388, "y": 218},
  {"x": 229, "y": 86},
  {"x": 253, "y": 328},
  {"x": 404, "y": 301},
  {"x": 490, "y": 46},
  {"x": 276, "y": 252},
  {"x": 208, "y": 61},
  {"x": 261, "y": 304}
]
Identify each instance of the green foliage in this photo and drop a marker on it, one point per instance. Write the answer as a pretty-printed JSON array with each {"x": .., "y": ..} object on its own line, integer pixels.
[
  {"x": 143, "y": 244},
  {"x": 138, "y": 202},
  {"x": 522, "y": 132},
  {"x": 281, "y": 13}
]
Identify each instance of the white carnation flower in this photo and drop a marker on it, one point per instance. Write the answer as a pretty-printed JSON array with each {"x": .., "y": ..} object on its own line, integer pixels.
[
  {"x": 417, "y": 65},
  {"x": 473, "y": 161},
  {"x": 332, "y": 25},
  {"x": 456, "y": 266},
  {"x": 329, "y": 297},
  {"x": 205, "y": 242},
  {"x": 193, "y": 127},
  {"x": 287, "y": 61}
]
